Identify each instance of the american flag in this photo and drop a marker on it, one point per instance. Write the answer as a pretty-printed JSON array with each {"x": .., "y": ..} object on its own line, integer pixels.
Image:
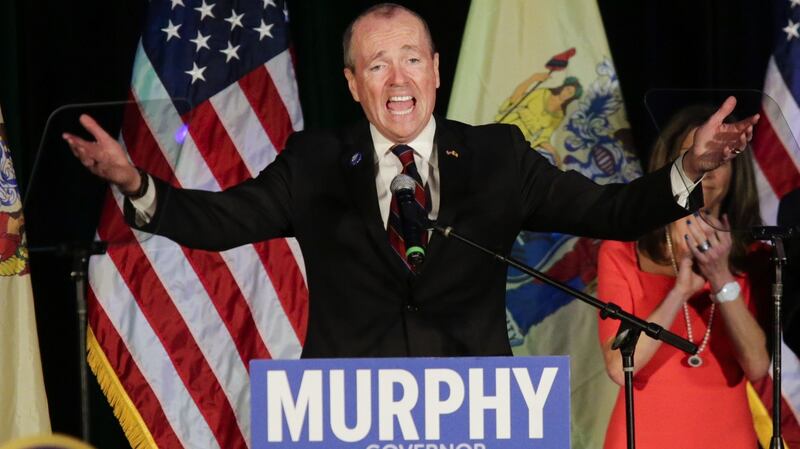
[
  {"x": 777, "y": 158},
  {"x": 774, "y": 142},
  {"x": 172, "y": 330}
]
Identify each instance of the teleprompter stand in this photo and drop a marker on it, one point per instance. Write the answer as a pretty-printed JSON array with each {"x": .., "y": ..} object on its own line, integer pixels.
[
  {"x": 628, "y": 334},
  {"x": 75, "y": 204},
  {"x": 79, "y": 252}
]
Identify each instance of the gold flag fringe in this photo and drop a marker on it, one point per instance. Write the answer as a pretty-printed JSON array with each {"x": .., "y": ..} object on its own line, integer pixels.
[{"x": 133, "y": 425}]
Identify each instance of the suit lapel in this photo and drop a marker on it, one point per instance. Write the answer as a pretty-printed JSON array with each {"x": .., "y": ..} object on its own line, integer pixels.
[
  {"x": 454, "y": 158},
  {"x": 358, "y": 162}
]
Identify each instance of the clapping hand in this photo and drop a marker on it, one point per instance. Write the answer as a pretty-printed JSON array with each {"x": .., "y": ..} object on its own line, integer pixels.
[
  {"x": 688, "y": 282},
  {"x": 710, "y": 245}
]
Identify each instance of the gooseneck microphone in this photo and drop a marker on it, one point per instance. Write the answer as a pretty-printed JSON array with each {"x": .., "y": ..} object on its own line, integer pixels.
[{"x": 411, "y": 218}]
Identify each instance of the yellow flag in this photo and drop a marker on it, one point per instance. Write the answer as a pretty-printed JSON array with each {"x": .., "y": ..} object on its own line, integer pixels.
[
  {"x": 545, "y": 66},
  {"x": 24, "y": 403}
]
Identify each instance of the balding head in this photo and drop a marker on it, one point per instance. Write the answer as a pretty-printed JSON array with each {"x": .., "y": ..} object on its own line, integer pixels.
[{"x": 385, "y": 11}]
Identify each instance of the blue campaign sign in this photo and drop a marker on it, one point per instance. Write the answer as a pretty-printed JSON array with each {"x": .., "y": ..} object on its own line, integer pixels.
[{"x": 411, "y": 403}]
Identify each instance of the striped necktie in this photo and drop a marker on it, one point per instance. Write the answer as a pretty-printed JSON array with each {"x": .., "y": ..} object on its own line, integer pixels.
[{"x": 423, "y": 196}]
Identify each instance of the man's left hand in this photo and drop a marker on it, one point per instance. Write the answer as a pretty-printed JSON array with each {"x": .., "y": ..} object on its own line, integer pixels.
[{"x": 716, "y": 142}]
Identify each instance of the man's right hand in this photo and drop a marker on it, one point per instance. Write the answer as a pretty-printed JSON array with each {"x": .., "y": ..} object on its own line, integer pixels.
[{"x": 104, "y": 157}]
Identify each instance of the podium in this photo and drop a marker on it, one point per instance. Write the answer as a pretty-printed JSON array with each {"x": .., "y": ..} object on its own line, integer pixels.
[{"x": 411, "y": 403}]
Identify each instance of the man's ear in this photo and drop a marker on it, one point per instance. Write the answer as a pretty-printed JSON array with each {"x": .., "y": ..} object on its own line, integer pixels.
[
  {"x": 436, "y": 68},
  {"x": 352, "y": 84}
]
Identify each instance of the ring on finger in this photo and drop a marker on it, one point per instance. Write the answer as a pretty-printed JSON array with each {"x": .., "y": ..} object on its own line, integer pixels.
[{"x": 703, "y": 247}]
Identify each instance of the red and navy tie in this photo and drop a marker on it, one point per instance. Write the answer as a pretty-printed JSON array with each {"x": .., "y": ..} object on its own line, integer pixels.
[{"x": 421, "y": 193}]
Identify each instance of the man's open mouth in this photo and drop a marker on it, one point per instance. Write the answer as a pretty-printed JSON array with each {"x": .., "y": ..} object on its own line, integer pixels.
[{"x": 401, "y": 104}]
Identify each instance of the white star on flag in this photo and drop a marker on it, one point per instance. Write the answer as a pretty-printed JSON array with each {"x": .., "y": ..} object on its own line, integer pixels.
[
  {"x": 791, "y": 30},
  {"x": 201, "y": 41},
  {"x": 794, "y": 3},
  {"x": 264, "y": 30},
  {"x": 205, "y": 10},
  {"x": 235, "y": 20},
  {"x": 176, "y": 3},
  {"x": 171, "y": 30},
  {"x": 196, "y": 72},
  {"x": 230, "y": 52},
  {"x": 272, "y": 3}
]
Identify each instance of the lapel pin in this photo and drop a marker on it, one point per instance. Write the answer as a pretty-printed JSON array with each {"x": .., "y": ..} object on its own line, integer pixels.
[
  {"x": 355, "y": 159},
  {"x": 451, "y": 153}
]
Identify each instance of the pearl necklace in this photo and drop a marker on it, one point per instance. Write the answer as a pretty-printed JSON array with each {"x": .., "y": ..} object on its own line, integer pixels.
[{"x": 695, "y": 360}]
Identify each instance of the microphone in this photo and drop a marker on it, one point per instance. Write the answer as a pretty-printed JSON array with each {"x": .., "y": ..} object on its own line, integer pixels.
[{"x": 403, "y": 188}]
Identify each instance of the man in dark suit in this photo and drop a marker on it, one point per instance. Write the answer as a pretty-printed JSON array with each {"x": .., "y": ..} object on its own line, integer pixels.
[{"x": 330, "y": 191}]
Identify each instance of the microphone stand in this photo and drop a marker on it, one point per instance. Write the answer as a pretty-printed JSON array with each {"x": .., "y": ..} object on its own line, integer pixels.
[
  {"x": 776, "y": 234},
  {"x": 628, "y": 334},
  {"x": 80, "y": 253}
]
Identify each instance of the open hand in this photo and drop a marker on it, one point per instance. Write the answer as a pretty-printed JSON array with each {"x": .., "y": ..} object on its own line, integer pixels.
[
  {"x": 716, "y": 142},
  {"x": 104, "y": 157}
]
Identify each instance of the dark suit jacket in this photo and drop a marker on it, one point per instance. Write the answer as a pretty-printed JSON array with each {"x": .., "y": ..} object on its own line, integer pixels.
[{"x": 363, "y": 300}]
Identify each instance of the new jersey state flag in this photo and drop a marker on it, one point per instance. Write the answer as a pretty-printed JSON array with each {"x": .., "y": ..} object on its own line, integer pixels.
[
  {"x": 24, "y": 403},
  {"x": 545, "y": 67}
]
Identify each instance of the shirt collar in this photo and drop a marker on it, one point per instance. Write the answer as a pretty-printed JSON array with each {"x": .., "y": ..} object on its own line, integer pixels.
[{"x": 422, "y": 144}]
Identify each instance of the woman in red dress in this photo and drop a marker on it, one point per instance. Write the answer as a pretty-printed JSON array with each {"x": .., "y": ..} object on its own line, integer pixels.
[{"x": 690, "y": 277}]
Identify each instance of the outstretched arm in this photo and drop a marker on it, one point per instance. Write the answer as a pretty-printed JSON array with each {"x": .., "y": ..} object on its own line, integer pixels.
[{"x": 255, "y": 210}]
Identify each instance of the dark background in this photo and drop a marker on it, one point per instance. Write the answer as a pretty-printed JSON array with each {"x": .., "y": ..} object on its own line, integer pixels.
[{"x": 54, "y": 53}]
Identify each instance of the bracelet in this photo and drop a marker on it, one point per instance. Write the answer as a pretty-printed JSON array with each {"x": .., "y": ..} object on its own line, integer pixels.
[
  {"x": 144, "y": 182},
  {"x": 728, "y": 292}
]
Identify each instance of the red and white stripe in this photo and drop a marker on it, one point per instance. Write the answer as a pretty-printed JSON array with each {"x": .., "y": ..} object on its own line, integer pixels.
[
  {"x": 775, "y": 144},
  {"x": 180, "y": 326}
]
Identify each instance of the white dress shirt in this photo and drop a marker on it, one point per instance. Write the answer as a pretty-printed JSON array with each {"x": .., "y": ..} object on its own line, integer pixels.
[{"x": 387, "y": 166}]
